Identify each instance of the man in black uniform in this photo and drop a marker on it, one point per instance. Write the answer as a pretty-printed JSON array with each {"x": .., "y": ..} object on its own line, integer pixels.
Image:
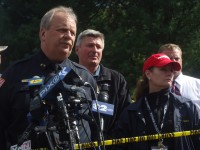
[
  {"x": 57, "y": 35},
  {"x": 112, "y": 85}
]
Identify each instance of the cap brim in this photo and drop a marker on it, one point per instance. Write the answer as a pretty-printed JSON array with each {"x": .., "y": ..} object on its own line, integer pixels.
[
  {"x": 2, "y": 48},
  {"x": 176, "y": 66}
]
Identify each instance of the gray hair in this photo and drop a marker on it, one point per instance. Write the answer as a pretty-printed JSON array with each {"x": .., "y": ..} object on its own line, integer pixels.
[
  {"x": 89, "y": 32},
  {"x": 47, "y": 18}
]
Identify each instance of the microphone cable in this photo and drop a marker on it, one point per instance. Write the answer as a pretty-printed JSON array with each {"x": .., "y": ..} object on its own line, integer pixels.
[{"x": 101, "y": 138}]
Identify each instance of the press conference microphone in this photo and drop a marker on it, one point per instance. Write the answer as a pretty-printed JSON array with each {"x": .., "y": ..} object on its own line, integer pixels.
[
  {"x": 53, "y": 82},
  {"x": 73, "y": 88},
  {"x": 34, "y": 85},
  {"x": 26, "y": 133},
  {"x": 103, "y": 97}
]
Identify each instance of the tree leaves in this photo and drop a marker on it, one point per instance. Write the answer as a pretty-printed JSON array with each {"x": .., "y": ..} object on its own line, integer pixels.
[{"x": 133, "y": 29}]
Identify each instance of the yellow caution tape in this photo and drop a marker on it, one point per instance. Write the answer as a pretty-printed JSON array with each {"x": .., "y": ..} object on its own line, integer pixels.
[{"x": 137, "y": 139}]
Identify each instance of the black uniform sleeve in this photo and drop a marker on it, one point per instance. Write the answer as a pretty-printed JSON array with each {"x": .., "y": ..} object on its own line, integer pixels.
[{"x": 4, "y": 108}]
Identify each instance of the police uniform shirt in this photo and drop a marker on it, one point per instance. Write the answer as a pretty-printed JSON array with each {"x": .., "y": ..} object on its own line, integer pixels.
[{"x": 15, "y": 95}]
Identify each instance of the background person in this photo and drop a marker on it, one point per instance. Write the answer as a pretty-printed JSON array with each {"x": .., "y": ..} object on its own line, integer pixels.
[
  {"x": 89, "y": 48},
  {"x": 2, "y": 48},
  {"x": 157, "y": 110},
  {"x": 188, "y": 86},
  {"x": 57, "y": 35}
]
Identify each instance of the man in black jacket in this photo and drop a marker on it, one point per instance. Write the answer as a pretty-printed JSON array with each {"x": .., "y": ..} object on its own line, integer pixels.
[
  {"x": 57, "y": 35},
  {"x": 112, "y": 85}
]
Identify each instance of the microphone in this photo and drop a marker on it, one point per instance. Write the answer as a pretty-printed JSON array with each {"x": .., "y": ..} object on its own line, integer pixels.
[
  {"x": 26, "y": 133},
  {"x": 45, "y": 92},
  {"x": 73, "y": 88},
  {"x": 67, "y": 75},
  {"x": 34, "y": 84},
  {"x": 104, "y": 107},
  {"x": 56, "y": 83},
  {"x": 52, "y": 82},
  {"x": 103, "y": 97}
]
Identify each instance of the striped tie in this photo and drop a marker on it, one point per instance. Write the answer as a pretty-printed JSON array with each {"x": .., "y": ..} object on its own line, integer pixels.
[{"x": 175, "y": 89}]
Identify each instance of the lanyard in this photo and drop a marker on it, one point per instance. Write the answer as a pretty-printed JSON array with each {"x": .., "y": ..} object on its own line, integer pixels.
[{"x": 152, "y": 117}]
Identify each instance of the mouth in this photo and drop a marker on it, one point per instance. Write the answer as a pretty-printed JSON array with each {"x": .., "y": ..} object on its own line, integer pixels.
[
  {"x": 93, "y": 57},
  {"x": 66, "y": 45}
]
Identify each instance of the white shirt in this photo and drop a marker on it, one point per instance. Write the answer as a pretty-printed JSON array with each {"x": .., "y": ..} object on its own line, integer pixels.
[{"x": 189, "y": 87}]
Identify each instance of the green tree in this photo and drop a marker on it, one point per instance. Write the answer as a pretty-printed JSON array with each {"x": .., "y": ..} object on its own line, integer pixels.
[{"x": 133, "y": 29}]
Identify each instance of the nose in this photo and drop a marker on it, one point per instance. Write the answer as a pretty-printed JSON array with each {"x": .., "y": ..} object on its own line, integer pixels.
[
  {"x": 67, "y": 34},
  {"x": 95, "y": 48}
]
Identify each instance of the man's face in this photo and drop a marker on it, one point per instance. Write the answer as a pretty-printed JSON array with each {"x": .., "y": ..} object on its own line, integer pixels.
[
  {"x": 90, "y": 51},
  {"x": 174, "y": 55},
  {"x": 57, "y": 41}
]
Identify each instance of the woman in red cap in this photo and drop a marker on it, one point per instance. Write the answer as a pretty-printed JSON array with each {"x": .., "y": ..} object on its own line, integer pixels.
[{"x": 158, "y": 111}]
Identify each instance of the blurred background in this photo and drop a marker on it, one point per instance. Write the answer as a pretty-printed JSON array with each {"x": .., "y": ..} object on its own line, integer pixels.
[{"x": 133, "y": 30}]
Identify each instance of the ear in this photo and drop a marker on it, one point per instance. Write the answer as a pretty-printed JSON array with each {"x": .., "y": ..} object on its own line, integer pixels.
[
  {"x": 76, "y": 50},
  {"x": 148, "y": 74},
  {"x": 42, "y": 34}
]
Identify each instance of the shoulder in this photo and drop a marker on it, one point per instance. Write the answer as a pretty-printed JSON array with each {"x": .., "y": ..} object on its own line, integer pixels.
[
  {"x": 78, "y": 66},
  {"x": 190, "y": 78},
  {"x": 17, "y": 66},
  {"x": 82, "y": 72},
  {"x": 181, "y": 101},
  {"x": 194, "y": 82},
  {"x": 111, "y": 72}
]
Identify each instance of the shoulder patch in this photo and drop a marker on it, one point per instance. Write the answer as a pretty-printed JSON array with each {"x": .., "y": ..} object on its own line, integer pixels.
[{"x": 2, "y": 81}]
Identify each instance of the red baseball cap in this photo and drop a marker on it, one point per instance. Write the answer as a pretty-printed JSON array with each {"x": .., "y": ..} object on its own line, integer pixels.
[{"x": 160, "y": 60}]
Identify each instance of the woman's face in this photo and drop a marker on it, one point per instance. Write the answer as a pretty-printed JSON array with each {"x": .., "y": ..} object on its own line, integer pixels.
[{"x": 159, "y": 77}]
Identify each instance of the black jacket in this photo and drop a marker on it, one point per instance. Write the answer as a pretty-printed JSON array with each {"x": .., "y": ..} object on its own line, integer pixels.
[
  {"x": 14, "y": 96},
  {"x": 118, "y": 96},
  {"x": 182, "y": 115}
]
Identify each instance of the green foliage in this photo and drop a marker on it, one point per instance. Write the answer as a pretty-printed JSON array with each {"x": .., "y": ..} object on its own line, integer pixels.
[{"x": 133, "y": 29}]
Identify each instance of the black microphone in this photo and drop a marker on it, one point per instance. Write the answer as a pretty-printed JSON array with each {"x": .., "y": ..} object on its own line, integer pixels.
[
  {"x": 103, "y": 96},
  {"x": 67, "y": 75},
  {"x": 73, "y": 88},
  {"x": 26, "y": 133},
  {"x": 33, "y": 84},
  {"x": 53, "y": 85},
  {"x": 35, "y": 104}
]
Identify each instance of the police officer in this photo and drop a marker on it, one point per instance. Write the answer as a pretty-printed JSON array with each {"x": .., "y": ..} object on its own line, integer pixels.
[
  {"x": 57, "y": 35},
  {"x": 112, "y": 85}
]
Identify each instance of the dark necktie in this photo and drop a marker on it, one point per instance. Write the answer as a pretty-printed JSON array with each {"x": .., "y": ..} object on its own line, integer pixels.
[{"x": 175, "y": 89}]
